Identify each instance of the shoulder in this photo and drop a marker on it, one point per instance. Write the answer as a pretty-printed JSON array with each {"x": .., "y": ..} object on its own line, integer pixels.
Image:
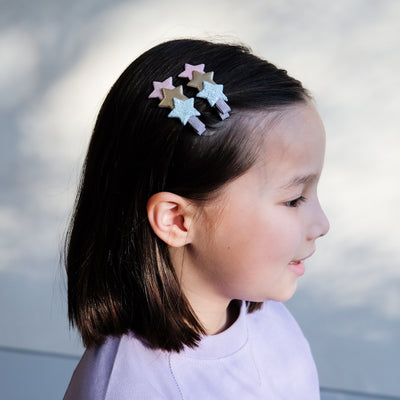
[
  {"x": 280, "y": 347},
  {"x": 276, "y": 317},
  {"x": 274, "y": 324},
  {"x": 122, "y": 368}
]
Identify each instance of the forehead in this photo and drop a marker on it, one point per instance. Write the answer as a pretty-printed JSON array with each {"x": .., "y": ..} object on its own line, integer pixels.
[{"x": 294, "y": 143}]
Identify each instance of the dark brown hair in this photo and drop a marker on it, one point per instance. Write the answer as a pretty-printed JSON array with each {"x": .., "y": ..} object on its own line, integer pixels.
[{"x": 120, "y": 277}]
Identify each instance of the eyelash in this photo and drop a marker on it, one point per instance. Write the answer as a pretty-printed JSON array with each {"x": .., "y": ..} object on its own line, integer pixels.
[{"x": 295, "y": 203}]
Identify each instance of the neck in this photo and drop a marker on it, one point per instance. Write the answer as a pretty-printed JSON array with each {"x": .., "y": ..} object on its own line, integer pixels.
[
  {"x": 213, "y": 317},
  {"x": 211, "y": 308}
]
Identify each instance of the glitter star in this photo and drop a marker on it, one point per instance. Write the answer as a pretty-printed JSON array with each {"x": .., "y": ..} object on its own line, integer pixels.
[
  {"x": 199, "y": 78},
  {"x": 158, "y": 86},
  {"x": 169, "y": 95},
  {"x": 189, "y": 68},
  {"x": 212, "y": 93},
  {"x": 184, "y": 109}
]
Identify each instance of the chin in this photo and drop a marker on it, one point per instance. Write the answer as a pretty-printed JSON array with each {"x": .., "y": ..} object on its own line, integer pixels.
[
  {"x": 280, "y": 292},
  {"x": 284, "y": 295},
  {"x": 280, "y": 297}
]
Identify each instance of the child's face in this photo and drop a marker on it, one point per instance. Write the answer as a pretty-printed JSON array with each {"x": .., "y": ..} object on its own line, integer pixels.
[{"x": 266, "y": 222}]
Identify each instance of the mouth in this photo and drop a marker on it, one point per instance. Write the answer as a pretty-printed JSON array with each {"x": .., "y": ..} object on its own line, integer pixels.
[
  {"x": 301, "y": 260},
  {"x": 298, "y": 267}
]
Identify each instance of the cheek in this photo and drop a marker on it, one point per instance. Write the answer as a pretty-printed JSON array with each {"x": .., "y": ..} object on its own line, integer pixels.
[
  {"x": 256, "y": 236},
  {"x": 251, "y": 262},
  {"x": 273, "y": 237}
]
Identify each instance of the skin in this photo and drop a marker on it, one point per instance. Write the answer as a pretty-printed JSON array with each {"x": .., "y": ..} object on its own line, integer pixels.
[{"x": 243, "y": 244}]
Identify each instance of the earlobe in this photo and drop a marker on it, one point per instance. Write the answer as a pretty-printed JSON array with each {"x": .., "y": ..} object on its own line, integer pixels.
[{"x": 169, "y": 216}]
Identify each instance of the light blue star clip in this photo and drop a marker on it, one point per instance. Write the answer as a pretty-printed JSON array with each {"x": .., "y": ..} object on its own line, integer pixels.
[
  {"x": 183, "y": 109},
  {"x": 212, "y": 93}
]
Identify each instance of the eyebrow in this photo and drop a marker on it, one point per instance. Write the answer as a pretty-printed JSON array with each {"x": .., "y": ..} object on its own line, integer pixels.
[{"x": 301, "y": 180}]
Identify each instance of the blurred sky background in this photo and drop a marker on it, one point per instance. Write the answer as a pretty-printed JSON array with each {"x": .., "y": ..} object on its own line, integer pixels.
[{"x": 58, "y": 60}]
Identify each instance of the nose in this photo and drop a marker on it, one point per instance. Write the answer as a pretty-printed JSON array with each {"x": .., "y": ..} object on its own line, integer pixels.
[{"x": 320, "y": 224}]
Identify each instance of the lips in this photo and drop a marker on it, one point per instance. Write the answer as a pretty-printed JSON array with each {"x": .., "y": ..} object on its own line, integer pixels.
[
  {"x": 297, "y": 267},
  {"x": 300, "y": 260}
]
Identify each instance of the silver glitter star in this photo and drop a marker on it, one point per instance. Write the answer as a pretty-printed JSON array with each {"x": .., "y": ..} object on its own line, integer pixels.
[
  {"x": 183, "y": 109},
  {"x": 212, "y": 93}
]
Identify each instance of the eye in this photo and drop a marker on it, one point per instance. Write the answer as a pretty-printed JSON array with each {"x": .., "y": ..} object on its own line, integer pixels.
[{"x": 295, "y": 202}]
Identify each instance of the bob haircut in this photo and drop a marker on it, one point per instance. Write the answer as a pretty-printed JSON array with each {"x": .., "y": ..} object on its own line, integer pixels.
[{"x": 120, "y": 276}]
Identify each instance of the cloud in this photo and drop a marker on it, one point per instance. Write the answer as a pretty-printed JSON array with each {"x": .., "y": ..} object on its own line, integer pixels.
[{"x": 19, "y": 66}]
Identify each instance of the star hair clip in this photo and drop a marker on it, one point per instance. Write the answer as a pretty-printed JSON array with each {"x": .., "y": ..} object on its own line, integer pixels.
[
  {"x": 181, "y": 106},
  {"x": 208, "y": 89}
]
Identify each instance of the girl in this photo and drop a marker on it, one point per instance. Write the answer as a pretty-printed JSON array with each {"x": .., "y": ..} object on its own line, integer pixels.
[{"x": 196, "y": 210}]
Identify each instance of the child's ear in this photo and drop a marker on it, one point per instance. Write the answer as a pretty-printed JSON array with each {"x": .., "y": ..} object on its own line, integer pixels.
[{"x": 170, "y": 216}]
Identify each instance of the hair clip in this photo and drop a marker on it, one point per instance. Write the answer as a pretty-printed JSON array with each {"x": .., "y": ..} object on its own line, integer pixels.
[
  {"x": 208, "y": 89},
  {"x": 182, "y": 107}
]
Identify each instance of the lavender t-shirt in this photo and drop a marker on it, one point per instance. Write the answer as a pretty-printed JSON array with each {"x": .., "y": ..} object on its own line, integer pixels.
[{"x": 263, "y": 355}]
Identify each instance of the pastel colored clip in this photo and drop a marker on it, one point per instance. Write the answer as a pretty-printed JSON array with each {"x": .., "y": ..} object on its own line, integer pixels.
[
  {"x": 181, "y": 106},
  {"x": 208, "y": 89}
]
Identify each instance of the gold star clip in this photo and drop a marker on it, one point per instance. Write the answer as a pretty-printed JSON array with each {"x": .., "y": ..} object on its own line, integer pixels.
[
  {"x": 199, "y": 78},
  {"x": 169, "y": 94}
]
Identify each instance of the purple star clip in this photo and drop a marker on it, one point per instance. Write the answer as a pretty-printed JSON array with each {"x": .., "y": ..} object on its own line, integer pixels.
[
  {"x": 208, "y": 89},
  {"x": 182, "y": 107}
]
